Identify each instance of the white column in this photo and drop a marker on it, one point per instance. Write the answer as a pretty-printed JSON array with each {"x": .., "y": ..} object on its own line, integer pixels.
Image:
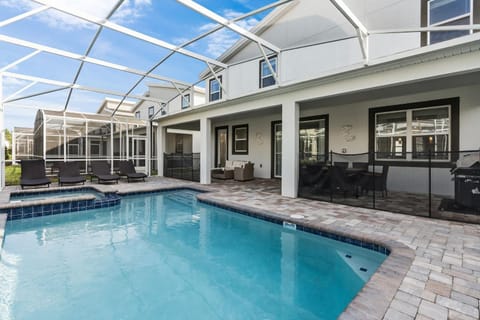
[
  {"x": 111, "y": 147},
  {"x": 290, "y": 142},
  {"x": 205, "y": 150},
  {"x": 148, "y": 152},
  {"x": 2, "y": 137},
  {"x": 161, "y": 133}
]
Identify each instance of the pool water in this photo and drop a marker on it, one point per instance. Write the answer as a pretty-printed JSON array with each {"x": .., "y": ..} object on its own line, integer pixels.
[
  {"x": 166, "y": 256},
  {"x": 19, "y": 197}
]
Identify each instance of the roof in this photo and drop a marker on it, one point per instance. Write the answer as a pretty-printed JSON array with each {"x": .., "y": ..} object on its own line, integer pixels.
[{"x": 92, "y": 117}]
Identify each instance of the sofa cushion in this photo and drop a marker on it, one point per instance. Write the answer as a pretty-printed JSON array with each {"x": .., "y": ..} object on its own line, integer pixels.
[{"x": 229, "y": 165}]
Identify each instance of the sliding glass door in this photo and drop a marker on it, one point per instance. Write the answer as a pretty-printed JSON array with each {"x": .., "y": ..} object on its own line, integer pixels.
[{"x": 313, "y": 144}]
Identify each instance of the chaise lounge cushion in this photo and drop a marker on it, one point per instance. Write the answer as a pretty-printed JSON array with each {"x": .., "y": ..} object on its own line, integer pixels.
[{"x": 33, "y": 173}]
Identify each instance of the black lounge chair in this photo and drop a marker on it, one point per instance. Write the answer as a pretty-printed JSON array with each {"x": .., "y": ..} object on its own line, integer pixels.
[
  {"x": 69, "y": 173},
  {"x": 127, "y": 168},
  {"x": 101, "y": 171},
  {"x": 33, "y": 174}
]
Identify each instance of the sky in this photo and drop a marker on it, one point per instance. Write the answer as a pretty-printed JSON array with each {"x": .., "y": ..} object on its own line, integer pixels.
[{"x": 167, "y": 20}]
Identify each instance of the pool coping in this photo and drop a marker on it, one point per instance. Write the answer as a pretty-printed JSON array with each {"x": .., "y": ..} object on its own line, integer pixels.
[
  {"x": 51, "y": 205},
  {"x": 371, "y": 302}
]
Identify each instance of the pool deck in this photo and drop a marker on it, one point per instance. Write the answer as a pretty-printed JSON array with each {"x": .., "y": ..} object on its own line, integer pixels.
[{"x": 433, "y": 271}]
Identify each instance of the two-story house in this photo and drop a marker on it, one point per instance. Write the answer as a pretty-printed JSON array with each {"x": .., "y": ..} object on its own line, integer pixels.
[{"x": 398, "y": 79}]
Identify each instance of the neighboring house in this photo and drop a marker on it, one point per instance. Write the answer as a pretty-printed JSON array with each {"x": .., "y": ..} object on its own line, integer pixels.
[
  {"x": 404, "y": 94},
  {"x": 111, "y": 105},
  {"x": 174, "y": 102},
  {"x": 22, "y": 143},
  {"x": 180, "y": 140}
]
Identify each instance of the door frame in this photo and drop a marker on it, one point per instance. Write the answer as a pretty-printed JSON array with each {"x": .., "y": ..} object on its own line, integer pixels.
[
  {"x": 272, "y": 151},
  {"x": 272, "y": 139},
  {"x": 216, "y": 143}
]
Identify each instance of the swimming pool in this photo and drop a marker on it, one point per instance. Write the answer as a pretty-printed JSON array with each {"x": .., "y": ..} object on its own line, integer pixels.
[{"x": 167, "y": 256}]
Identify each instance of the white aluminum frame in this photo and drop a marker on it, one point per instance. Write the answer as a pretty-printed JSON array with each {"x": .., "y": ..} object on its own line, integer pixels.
[{"x": 213, "y": 65}]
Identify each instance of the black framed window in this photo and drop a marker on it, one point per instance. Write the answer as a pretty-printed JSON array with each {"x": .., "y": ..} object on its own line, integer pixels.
[
  {"x": 240, "y": 139},
  {"x": 413, "y": 132},
  {"x": 186, "y": 101},
  {"x": 447, "y": 13},
  {"x": 215, "y": 90},
  {"x": 137, "y": 114},
  {"x": 151, "y": 111},
  {"x": 266, "y": 76}
]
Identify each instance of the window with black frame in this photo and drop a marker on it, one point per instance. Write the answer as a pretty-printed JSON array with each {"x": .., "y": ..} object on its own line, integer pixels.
[
  {"x": 417, "y": 132},
  {"x": 442, "y": 13},
  {"x": 185, "y": 101},
  {"x": 240, "y": 139},
  {"x": 215, "y": 90},
  {"x": 267, "y": 78}
]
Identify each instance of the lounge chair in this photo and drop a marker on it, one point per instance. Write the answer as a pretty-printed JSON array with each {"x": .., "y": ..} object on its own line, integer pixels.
[
  {"x": 127, "y": 168},
  {"x": 69, "y": 173},
  {"x": 33, "y": 174},
  {"x": 101, "y": 171}
]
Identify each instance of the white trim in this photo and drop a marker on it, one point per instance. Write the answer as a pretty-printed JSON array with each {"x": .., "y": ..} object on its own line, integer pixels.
[{"x": 228, "y": 24}]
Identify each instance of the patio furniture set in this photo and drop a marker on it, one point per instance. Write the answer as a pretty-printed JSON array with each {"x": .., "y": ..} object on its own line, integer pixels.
[
  {"x": 34, "y": 174},
  {"x": 236, "y": 169},
  {"x": 339, "y": 177}
]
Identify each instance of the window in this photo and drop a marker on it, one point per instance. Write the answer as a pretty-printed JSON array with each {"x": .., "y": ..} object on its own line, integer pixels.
[
  {"x": 413, "y": 132},
  {"x": 151, "y": 111},
  {"x": 215, "y": 91},
  {"x": 186, "y": 101},
  {"x": 240, "y": 139},
  {"x": 137, "y": 114},
  {"x": 266, "y": 76},
  {"x": 448, "y": 13}
]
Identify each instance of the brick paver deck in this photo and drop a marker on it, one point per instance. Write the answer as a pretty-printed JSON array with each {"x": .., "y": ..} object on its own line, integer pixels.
[{"x": 432, "y": 273}]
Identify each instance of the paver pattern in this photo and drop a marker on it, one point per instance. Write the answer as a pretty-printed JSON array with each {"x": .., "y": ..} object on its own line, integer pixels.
[{"x": 437, "y": 266}]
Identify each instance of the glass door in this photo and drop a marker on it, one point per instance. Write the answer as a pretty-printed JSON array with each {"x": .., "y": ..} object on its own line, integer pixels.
[
  {"x": 221, "y": 146},
  {"x": 313, "y": 142},
  {"x": 313, "y": 145},
  {"x": 277, "y": 149}
]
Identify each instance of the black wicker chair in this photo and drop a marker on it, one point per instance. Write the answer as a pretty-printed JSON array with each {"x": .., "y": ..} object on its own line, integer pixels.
[
  {"x": 33, "y": 174},
  {"x": 69, "y": 173},
  {"x": 127, "y": 168},
  {"x": 101, "y": 171}
]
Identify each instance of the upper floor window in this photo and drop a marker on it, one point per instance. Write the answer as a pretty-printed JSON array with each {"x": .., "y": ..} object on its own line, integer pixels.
[
  {"x": 215, "y": 90},
  {"x": 185, "y": 101},
  {"x": 151, "y": 111},
  {"x": 266, "y": 75},
  {"x": 448, "y": 13},
  {"x": 137, "y": 114},
  {"x": 415, "y": 133}
]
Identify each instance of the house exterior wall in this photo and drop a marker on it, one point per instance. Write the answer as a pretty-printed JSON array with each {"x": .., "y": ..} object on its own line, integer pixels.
[
  {"x": 197, "y": 97},
  {"x": 309, "y": 22}
]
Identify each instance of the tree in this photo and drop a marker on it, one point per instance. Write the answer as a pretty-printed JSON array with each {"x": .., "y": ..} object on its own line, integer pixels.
[{"x": 8, "y": 145}]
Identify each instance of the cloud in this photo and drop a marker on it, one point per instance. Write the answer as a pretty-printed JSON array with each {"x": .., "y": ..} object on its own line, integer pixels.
[
  {"x": 223, "y": 39},
  {"x": 128, "y": 12}
]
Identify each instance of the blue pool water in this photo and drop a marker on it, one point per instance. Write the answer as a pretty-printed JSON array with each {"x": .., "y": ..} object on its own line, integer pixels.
[{"x": 165, "y": 256}]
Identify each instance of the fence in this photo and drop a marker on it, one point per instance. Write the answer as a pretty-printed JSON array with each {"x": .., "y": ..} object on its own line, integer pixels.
[
  {"x": 442, "y": 185},
  {"x": 182, "y": 166}
]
